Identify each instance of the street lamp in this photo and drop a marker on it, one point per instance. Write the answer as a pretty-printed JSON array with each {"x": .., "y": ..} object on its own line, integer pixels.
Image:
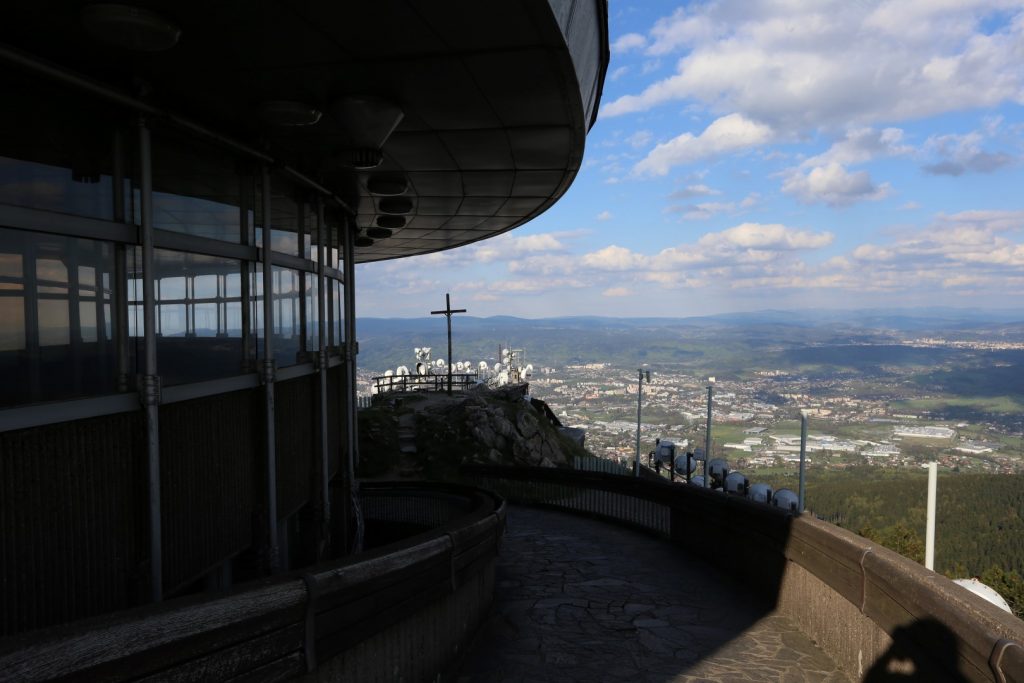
[{"x": 641, "y": 375}]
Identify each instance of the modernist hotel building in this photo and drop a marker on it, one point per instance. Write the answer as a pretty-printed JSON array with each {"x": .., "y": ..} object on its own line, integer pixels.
[{"x": 184, "y": 191}]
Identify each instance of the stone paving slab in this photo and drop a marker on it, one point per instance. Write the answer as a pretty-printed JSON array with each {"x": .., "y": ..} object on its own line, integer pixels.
[{"x": 583, "y": 600}]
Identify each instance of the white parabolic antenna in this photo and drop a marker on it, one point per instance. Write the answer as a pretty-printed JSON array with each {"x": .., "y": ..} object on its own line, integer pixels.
[
  {"x": 982, "y": 590},
  {"x": 497, "y": 367},
  {"x": 421, "y": 368},
  {"x": 402, "y": 371},
  {"x": 389, "y": 373},
  {"x": 483, "y": 366}
]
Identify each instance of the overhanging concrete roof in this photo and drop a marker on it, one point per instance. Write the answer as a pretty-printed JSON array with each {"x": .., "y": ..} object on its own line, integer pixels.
[{"x": 497, "y": 96}]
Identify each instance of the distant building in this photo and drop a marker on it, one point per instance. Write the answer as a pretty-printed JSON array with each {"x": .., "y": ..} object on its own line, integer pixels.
[{"x": 924, "y": 432}]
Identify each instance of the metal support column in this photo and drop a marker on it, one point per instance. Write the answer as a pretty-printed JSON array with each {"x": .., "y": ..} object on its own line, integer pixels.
[
  {"x": 348, "y": 232},
  {"x": 707, "y": 438},
  {"x": 322, "y": 359},
  {"x": 803, "y": 461},
  {"x": 268, "y": 376},
  {"x": 120, "y": 284},
  {"x": 639, "y": 395},
  {"x": 150, "y": 390},
  {"x": 929, "y": 534}
]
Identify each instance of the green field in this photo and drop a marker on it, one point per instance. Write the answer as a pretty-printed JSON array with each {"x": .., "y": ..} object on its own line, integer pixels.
[{"x": 988, "y": 404}]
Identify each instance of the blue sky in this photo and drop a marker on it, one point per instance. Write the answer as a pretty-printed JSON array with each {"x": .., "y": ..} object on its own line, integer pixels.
[{"x": 788, "y": 154}]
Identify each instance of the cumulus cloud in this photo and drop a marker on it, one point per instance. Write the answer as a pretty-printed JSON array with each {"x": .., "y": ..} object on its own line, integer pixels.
[
  {"x": 832, "y": 184},
  {"x": 690, "y": 191},
  {"x": 604, "y": 215},
  {"x": 959, "y": 154},
  {"x": 613, "y": 258},
  {"x": 629, "y": 41},
  {"x": 807, "y": 65},
  {"x": 729, "y": 133},
  {"x": 861, "y": 145},
  {"x": 617, "y": 291},
  {"x": 772, "y": 236}
]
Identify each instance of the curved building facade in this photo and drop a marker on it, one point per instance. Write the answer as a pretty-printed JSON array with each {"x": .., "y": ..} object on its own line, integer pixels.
[{"x": 184, "y": 192}]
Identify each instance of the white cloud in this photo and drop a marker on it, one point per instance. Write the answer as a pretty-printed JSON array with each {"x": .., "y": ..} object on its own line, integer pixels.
[
  {"x": 640, "y": 139},
  {"x": 751, "y": 200},
  {"x": 910, "y": 206},
  {"x": 832, "y": 184},
  {"x": 726, "y": 134},
  {"x": 772, "y": 236},
  {"x": 618, "y": 73},
  {"x": 613, "y": 258},
  {"x": 807, "y": 65},
  {"x": 861, "y": 145},
  {"x": 604, "y": 215},
  {"x": 617, "y": 291},
  {"x": 703, "y": 210},
  {"x": 959, "y": 154},
  {"x": 629, "y": 41},
  {"x": 698, "y": 190}
]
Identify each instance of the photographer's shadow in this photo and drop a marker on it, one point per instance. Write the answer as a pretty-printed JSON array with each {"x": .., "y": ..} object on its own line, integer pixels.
[{"x": 925, "y": 651}]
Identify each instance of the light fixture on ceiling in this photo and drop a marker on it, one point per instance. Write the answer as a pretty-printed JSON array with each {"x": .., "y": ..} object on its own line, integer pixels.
[
  {"x": 391, "y": 222},
  {"x": 288, "y": 113},
  {"x": 395, "y": 205},
  {"x": 368, "y": 122},
  {"x": 387, "y": 185},
  {"x": 363, "y": 241},
  {"x": 128, "y": 27},
  {"x": 378, "y": 233}
]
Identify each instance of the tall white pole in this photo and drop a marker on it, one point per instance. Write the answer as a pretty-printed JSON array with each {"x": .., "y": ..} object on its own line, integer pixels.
[{"x": 929, "y": 540}]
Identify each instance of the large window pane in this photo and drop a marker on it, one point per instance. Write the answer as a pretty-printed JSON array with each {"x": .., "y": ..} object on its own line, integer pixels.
[
  {"x": 198, "y": 297},
  {"x": 287, "y": 316},
  {"x": 196, "y": 190},
  {"x": 56, "y": 336},
  {"x": 55, "y": 153}
]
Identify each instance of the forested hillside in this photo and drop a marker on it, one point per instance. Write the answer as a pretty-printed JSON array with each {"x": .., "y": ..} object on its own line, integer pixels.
[{"x": 979, "y": 519}]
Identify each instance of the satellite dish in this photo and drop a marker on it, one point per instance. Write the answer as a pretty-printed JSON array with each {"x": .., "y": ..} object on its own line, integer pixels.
[
  {"x": 426, "y": 349},
  {"x": 389, "y": 373},
  {"x": 787, "y": 500},
  {"x": 529, "y": 369},
  {"x": 737, "y": 484},
  {"x": 402, "y": 371},
  {"x": 416, "y": 350},
  {"x": 698, "y": 454},
  {"x": 421, "y": 368},
  {"x": 984, "y": 591},
  {"x": 760, "y": 493},
  {"x": 483, "y": 366},
  {"x": 718, "y": 468},
  {"x": 681, "y": 464},
  {"x": 439, "y": 362},
  {"x": 698, "y": 480},
  {"x": 497, "y": 367}
]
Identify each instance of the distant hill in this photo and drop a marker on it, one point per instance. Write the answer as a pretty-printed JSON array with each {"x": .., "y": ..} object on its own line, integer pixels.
[{"x": 731, "y": 342}]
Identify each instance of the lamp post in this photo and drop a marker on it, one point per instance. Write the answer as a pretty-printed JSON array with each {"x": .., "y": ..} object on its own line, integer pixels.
[
  {"x": 707, "y": 435},
  {"x": 641, "y": 374}
]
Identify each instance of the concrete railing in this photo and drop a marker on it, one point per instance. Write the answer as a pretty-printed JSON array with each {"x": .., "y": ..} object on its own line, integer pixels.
[
  {"x": 866, "y": 606},
  {"x": 402, "y": 611}
]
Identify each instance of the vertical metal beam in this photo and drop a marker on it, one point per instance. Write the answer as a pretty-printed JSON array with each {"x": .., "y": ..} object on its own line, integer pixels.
[
  {"x": 150, "y": 395},
  {"x": 322, "y": 358},
  {"x": 803, "y": 462},
  {"x": 707, "y": 439},
  {"x": 268, "y": 375},
  {"x": 245, "y": 272},
  {"x": 120, "y": 302},
  {"x": 351, "y": 350}
]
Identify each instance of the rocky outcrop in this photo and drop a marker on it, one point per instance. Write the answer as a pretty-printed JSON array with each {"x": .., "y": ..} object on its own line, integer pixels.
[{"x": 500, "y": 427}]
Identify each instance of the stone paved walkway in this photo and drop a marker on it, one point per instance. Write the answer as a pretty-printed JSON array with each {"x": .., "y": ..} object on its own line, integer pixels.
[{"x": 582, "y": 600}]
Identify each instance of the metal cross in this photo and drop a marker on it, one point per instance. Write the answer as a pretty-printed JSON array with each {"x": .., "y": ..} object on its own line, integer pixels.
[{"x": 448, "y": 312}]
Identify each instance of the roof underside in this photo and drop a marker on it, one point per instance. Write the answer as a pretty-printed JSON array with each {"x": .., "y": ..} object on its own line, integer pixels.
[{"x": 497, "y": 96}]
